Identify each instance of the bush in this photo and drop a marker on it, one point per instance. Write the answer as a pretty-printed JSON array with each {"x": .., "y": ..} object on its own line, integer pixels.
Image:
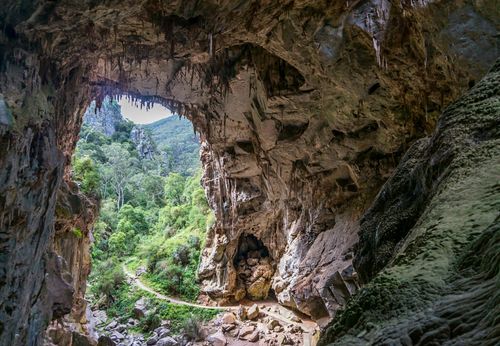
[
  {"x": 85, "y": 172},
  {"x": 107, "y": 277},
  {"x": 192, "y": 328},
  {"x": 151, "y": 321}
]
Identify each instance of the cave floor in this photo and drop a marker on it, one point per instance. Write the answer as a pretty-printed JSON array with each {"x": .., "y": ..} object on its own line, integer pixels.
[{"x": 306, "y": 330}]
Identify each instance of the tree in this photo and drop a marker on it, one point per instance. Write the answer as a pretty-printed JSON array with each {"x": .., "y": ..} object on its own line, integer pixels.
[
  {"x": 118, "y": 243},
  {"x": 174, "y": 187},
  {"x": 132, "y": 220},
  {"x": 121, "y": 166},
  {"x": 148, "y": 190},
  {"x": 86, "y": 173}
]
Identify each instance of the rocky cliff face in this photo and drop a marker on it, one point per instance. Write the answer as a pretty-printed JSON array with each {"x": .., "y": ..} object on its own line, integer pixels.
[
  {"x": 75, "y": 216},
  {"x": 434, "y": 227},
  {"x": 304, "y": 109},
  {"x": 144, "y": 143},
  {"x": 104, "y": 118}
]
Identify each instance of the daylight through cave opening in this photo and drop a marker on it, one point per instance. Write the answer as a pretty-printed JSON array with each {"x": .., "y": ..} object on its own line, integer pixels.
[{"x": 143, "y": 164}]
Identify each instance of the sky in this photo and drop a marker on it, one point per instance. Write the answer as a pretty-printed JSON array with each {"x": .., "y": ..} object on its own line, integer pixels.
[{"x": 142, "y": 116}]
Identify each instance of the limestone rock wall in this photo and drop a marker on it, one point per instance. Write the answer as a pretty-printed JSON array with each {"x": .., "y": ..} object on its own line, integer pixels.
[
  {"x": 103, "y": 119},
  {"x": 434, "y": 229}
]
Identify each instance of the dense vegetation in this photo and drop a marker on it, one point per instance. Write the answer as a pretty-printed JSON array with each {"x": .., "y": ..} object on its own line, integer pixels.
[
  {"x": 178, "y": 144},
  {"x": 150, "y": 218}
]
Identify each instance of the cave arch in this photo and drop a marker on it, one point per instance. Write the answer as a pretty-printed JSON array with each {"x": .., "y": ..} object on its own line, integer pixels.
[{"x": 242, "y": 73}]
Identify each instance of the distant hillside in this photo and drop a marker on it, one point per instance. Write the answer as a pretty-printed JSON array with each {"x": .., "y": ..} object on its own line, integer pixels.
[{"x": 175, "y": 136}]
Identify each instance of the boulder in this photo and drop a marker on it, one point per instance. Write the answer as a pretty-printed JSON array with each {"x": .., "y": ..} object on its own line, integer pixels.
[
  {"x": 100, "y": 317},
  {"x": 252, "y": 337},
  {"x": 105, "y": 340},
  {"x": 253, "y": 312},
  {"x": 82, "y": 340},
  {"x": 152, "y": 341},
  {"x": 284, "y": 339},
  {"x": 259, "y": 289},
  {"x": 246, "y": 330},
  {"x": 273, "y": 324},
  {"x": 112, "y": 325},
  {"x": 140, "y": 309},
  {"x": 163, "y": 333},
  {"x": 167, "y": 341},
  {"x": 217, "y": 339},
  {"x": 228, "y": 327},
  {"x": 117, "y": 336},
  {"x": 242, "y": 313},
  {"x": 228, "y": 318},
  {"x": 120, "y": 328}
]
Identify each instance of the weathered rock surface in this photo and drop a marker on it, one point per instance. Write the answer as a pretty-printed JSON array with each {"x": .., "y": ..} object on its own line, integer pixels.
[
  {"x": 304, "y": 109},
  {"x": 435, "y": 228},
  {"x": 103, "y": 118},
  {"x": 143, "y": 142}
]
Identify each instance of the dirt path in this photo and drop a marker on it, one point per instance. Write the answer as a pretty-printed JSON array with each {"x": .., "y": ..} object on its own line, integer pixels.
[{"x": 309, "y": 327}]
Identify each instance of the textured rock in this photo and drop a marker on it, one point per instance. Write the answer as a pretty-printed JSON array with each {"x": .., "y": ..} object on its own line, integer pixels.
[
  {"x": 217, "y": 339},
  {"x": 253, "y": 312},
  {"x": 105, "y": 118},
  {"x": 167, "y": 341},
  {"x": 105, "y": 341},
  {"x": 228, "y": 318},
  {"x": 304, "y": 109},
  {"x": 434, "y": 227},
  {"x": 143, "y": 141}
]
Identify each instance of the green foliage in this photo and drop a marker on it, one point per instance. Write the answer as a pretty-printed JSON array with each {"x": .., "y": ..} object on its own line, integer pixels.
[
  {"x": 124, "y": 301},
  {"x": 180, "y": 316},
  {"x": 178, "y": 143},
  {"x": 192, "y": 328},
  {"x": 174, "y": 188},
  {"x": 106, "y": 278},
  {"x": 153, "y": 210},
  {"x": 151, "y": 321},
  {"x": 77, "y": 232},
  {"x": 172, "y": 262},
  {"x": 122, "y": 131},
  {"x": 85, "y": 172}
]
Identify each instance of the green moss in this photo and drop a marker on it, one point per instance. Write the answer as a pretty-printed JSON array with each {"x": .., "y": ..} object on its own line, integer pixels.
[{"x": 77, "y": 232}]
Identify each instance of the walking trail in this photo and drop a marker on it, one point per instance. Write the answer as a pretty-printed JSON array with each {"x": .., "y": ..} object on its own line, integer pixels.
[{"x": 308, "y": 326}]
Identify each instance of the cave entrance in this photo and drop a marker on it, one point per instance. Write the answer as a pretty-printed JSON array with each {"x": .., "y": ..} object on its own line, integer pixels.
[
  {"x": 254, "y": 267},
  {"x": 143, "y": 163}
]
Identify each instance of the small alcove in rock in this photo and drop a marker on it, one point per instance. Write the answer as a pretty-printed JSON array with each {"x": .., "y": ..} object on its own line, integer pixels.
[{"x": 254, "y": 267}]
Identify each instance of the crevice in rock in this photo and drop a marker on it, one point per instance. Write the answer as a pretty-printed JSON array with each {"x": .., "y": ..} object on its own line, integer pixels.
[{"x": 254, "y": 267}]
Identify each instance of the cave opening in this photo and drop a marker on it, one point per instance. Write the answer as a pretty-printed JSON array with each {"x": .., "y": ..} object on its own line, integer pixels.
[
  {"x": 143, "y": 163},
  {"x": 255, "y": 267}
]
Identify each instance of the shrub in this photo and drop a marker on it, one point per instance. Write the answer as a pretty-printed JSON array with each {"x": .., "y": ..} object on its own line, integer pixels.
[
  {"x": 86, "y": 173},
  {"x": 192, "y": 328},
  {"x": 151, "y": 321},
  {"x": 77, "y": 232},
  {"x": 106, "y": 278}
]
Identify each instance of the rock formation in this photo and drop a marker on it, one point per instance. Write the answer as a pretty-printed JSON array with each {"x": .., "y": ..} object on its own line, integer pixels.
[
  {"x": 75, "y": 215},
  {"x": 304, "y": 109},
  {"x": 103, "y": 119},
  {"x": 143, "y": 141},
  {"x": 434, "y": 227}
]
